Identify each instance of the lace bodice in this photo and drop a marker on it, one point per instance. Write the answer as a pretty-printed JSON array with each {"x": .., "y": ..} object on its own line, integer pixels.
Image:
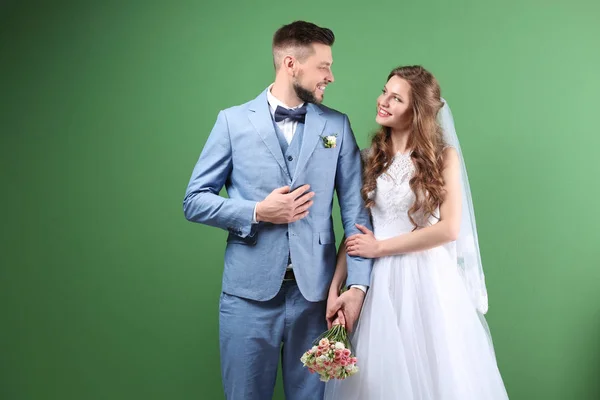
[{"x": 393, "y": 198}]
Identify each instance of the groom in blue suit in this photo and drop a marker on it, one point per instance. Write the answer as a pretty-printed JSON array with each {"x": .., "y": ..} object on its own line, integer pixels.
[{"x": 280, "y": 157}]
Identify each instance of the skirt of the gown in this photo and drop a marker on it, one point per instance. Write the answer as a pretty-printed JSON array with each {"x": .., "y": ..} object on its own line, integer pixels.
[{"x": 419, "y": 336}]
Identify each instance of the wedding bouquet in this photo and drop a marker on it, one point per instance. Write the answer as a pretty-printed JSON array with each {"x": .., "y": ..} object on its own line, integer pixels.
[{"x": 330, "y": 355}]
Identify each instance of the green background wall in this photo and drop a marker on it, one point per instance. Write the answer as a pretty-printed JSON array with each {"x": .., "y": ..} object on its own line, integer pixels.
[{"x": 109, "y": 293}]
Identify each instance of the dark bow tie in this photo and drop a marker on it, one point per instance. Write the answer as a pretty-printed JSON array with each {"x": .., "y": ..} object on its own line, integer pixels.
[{"x": 297, "y": 114}]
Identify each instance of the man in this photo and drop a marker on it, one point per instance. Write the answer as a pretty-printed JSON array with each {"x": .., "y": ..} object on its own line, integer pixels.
[{"x": 280, "y": 157}]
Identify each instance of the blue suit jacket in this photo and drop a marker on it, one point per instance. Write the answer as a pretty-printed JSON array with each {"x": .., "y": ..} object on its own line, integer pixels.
[{"x": 243, "y": 154}]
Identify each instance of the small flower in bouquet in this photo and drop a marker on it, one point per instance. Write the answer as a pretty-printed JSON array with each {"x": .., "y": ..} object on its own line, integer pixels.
[{"x": 330, "y": 356}]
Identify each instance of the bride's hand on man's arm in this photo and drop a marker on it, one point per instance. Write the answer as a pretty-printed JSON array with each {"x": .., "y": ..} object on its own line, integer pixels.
[{"x": 363, "y": 244}]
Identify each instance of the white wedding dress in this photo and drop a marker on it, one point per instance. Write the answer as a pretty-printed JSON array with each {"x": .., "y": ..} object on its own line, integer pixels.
[{"x": 419, "y": 337}]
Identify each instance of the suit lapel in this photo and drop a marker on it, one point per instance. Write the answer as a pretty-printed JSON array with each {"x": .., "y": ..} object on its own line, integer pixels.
[
  {"x": 313, "y": 128},
  {"x": 260, "y": 117}
]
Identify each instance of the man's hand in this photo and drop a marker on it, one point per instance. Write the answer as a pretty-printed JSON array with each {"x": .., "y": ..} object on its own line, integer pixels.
[
  {"x": 350, "y": 303},
  {"x": 283, "y": 206}
]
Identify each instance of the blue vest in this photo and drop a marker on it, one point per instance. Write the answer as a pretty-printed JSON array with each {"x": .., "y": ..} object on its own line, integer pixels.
[{"x": 290, "y": 152}]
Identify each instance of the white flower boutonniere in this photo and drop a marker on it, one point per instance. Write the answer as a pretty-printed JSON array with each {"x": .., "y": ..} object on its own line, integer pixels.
[{"x": 329, "y": 141}]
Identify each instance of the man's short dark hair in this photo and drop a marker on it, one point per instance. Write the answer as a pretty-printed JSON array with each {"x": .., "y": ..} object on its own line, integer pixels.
[{"x": 299, "y": 35}]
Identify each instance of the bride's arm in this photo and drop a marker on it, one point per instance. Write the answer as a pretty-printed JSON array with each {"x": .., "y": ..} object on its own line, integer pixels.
[
  {"x": 341, "y": 270},
  {"x": 447, "y": 228}
]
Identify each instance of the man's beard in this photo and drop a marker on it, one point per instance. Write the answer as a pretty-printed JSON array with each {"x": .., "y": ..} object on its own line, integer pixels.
[{"x": 304, "y": 94}]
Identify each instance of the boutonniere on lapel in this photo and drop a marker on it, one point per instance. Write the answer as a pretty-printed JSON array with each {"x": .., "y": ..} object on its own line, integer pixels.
[{"x": 329, "y": 141}]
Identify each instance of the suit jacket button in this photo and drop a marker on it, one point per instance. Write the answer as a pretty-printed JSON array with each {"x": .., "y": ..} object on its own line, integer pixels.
[{"x": 290, "y": 158}]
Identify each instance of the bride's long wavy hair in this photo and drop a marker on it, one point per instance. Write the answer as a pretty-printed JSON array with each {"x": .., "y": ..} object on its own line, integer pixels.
[{"x": 425, "y": 140}]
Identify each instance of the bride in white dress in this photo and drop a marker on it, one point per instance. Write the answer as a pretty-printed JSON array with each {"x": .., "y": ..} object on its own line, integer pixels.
[{"x": 421, "y": 333}]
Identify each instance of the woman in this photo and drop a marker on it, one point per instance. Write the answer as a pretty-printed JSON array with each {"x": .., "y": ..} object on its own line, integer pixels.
[{"x": 421, "y": 334}]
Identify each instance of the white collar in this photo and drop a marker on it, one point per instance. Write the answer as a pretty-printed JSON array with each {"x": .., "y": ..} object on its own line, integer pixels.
[{"x": 274, "y": 101}]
